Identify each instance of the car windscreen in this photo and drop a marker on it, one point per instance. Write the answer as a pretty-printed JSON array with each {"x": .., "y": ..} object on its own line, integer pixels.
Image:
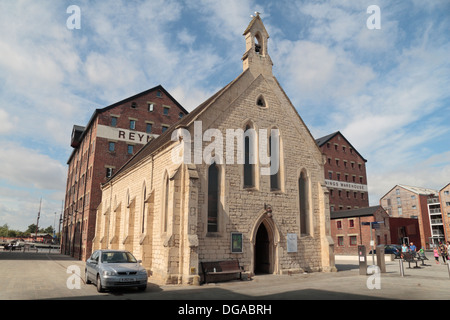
[{"x": 118, "y": 257}]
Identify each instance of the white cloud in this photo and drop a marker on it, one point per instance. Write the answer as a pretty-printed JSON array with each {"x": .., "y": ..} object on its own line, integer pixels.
[
  {"x": 7, "y": 123},
  {"x": 29, "y": 168},
  {"x": 319, "y": 74}
]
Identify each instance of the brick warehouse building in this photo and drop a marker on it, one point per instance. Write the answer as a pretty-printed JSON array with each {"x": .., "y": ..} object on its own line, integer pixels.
[
  {"x": 349, "y": 231},
  {"x": 112, "y": 136},
  {"x": 173, "y": 215},
  {"x": 345, "y": 173}
]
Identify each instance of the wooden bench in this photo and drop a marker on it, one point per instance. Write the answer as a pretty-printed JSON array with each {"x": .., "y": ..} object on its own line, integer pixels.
[
  {"x": 409, "y": 257},
  {"x": 215, "y": 268}
]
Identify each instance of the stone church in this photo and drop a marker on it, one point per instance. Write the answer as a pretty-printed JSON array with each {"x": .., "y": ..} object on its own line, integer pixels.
[{"x": 223, "y": 201}]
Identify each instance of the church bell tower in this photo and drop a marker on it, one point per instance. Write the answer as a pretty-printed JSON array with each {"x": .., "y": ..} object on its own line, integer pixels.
[{"x": 256, "y": 57}]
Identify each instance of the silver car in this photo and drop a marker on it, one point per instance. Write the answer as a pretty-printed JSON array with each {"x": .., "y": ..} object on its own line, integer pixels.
[{"x": 115, "y": 268}]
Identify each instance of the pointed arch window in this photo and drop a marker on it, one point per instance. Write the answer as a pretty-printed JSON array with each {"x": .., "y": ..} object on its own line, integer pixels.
[
  {"x": 249, "y": 157},
  {"x": 213, "y": 197},
  {"x": 261, "y": 102},
  {"x": 274, "y": 153},
  {"x": 303, "y": 198},
  {"x": 258, "y": 43}
]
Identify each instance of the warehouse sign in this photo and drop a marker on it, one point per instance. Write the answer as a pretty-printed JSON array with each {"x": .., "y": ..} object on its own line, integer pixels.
[
  {"x": 119, "y": 134},
  {"x": 346, "y": 185}
]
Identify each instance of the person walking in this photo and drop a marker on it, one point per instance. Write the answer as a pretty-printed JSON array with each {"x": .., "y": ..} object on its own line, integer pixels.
[
  {"x": 448, "y": 250},
  {"x": 436, "y": 255},
  {"x": 443, "y": 252}
]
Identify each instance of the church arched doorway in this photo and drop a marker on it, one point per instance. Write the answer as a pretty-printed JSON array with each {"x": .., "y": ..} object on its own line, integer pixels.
[{"x": 263, "y": 252}]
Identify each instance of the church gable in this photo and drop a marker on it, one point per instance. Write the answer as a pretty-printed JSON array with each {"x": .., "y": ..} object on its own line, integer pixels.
[{"x": 261, "y": 102}]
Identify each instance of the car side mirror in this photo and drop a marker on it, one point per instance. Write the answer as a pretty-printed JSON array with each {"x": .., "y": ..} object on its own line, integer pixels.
[{"x": 139, "y": 261}]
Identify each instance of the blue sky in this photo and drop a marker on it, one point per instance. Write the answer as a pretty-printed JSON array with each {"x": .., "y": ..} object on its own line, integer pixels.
[{"x": 386, "y": 90}]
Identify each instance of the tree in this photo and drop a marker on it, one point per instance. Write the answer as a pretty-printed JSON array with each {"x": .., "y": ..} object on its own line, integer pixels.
[
  {"x": 31, "y": 229},
  {"x": 4, "y": 230}
]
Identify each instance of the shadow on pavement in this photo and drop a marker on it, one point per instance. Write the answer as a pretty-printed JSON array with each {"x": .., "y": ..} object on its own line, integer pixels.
[{"x": 30, "y": 255}]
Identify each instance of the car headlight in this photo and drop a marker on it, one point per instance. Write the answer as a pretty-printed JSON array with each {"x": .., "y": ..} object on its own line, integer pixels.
[
  {"x": 109, "y": 273},
  {"x": 142, "y": 272}
]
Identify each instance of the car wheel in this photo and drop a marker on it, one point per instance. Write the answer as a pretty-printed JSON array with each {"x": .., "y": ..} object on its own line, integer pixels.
[
  {"x": 99, "y": 285},
  {"x": 86, "y": 277}
]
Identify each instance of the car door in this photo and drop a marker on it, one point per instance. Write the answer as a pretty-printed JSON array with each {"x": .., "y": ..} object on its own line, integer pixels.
[{"x": 91, "y": 265}]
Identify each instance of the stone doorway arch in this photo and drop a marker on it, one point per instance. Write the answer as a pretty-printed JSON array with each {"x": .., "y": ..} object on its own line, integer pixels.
[{"x": 265, "y": 239}]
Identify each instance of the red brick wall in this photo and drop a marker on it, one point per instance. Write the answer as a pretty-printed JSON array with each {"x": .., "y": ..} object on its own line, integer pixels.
[
  {"x": 362, "y": 233},
  {"x": 411, "y": 229},
  {"x": 100, "y": 157},
  {"x": 337, "y": 148}
]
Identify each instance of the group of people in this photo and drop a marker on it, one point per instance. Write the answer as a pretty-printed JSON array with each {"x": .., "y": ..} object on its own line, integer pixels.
[
  {"x": 412, "y": 249},
  {"x": 442, "y": 250}
]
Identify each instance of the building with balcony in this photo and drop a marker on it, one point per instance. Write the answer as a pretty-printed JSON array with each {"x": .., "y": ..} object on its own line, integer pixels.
[{"x": 418, "y": 203}]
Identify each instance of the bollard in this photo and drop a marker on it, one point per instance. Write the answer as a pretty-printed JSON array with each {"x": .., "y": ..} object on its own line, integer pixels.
[
  {"x": 402, "y": 270},
  {"x": 362, "y": 260},
  {"x": 381, "y": 263}
]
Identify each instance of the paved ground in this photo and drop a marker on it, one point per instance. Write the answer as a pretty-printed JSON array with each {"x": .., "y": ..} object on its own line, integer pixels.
[{"x": 36, "y": 276}]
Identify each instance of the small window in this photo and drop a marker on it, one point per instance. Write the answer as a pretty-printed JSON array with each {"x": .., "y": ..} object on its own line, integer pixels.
[
  {"x": 164, "y": 128},
  {"x": 340, "y": 241},
  {"x": 134, "y": 105},
  {"x": 260, "y": 102},
  {"x": 112, "y": 146},
  {"x": 159, "y": 94},
  {"x": 181, "y": 115},
  {"x": 166, "y": 111},
  {"x": 339, "y": 224},
  {"x": 113, "y": 121},
  {"x": 151, "y": 107},
  {"x": 132, "y": 124},
  {"x": 353, "y": 241},
  {"x": 149, "y": 128},
  {"x": 130, "y": 149}
]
